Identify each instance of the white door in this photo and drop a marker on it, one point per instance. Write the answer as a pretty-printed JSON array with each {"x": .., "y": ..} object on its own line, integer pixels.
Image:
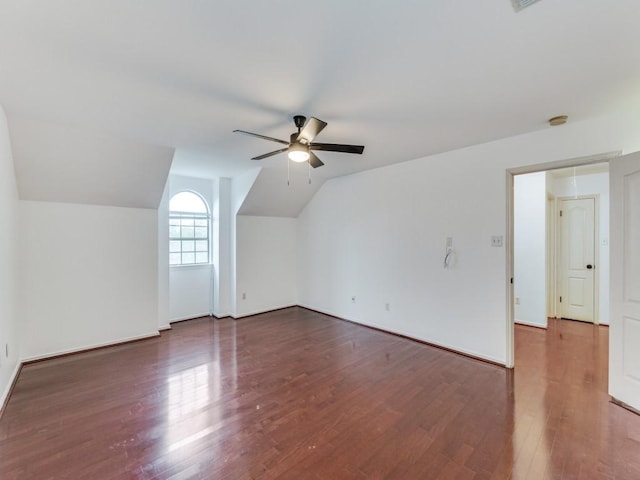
[
  {"x": 577, "y": 256},
  {"x": 624, "y": 332}
]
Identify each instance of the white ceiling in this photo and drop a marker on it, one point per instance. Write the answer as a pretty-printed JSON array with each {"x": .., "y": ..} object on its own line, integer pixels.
[{"x": 407, "y": 79}]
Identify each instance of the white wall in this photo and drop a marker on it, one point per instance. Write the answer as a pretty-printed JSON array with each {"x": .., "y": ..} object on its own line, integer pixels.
[
  {"x": 190, "y": 291},
  {"x": 598, "y": 184},
  {"x": 266, "y": 264},
  {"x": 190, "y": 287},
  {"x": 239, "y": 189},
  {"x": 89, "y": 276},
  {"x": 9, "y": 325},
  {"x": 529, "y": 249},
  {"x": 380, "y": 236}
]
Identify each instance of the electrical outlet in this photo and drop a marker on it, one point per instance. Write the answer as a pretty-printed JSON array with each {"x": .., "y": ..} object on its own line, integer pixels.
[
  {"x": 496, "y": 241},
  {"x": 387, "y": 307},
  {"x": 244, "y": 296},
  {"x": 517, "y": 300},
  {"x": 353, "y": 299}
]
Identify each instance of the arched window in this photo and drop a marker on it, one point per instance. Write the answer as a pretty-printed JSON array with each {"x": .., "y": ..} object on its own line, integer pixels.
[{"x": 188, "y": 229}]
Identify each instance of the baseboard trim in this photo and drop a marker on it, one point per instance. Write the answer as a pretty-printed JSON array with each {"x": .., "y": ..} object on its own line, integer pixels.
[
  {"x": 333, "y": 315},
  {"x": 253, "y": 314},
  {"x": 67, "y": 353},
  {"x": 9, "y": 390},
  {"x": 617, "y": 402},
  {"x": 528, "y": 324},
  {"x": 206, "y": 315},
  {"x": 414, "y": 339},
  {"x": 190, "y": 317}
]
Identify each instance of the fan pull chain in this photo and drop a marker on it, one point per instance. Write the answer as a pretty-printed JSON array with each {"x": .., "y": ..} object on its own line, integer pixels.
[
  {"x": 309, "y": 163},
  {"x": 288, "y": 173}
]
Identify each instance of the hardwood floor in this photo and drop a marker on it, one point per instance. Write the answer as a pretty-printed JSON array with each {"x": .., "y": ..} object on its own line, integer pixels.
[{"x": 295, "y": 394}]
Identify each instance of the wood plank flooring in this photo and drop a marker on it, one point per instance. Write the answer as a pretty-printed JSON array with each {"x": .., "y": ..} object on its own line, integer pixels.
[{"x": 295, "y": 394}]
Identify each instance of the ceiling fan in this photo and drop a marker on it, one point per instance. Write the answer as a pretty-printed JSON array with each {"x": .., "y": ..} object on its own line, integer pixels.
[{"x": 300, "y": 146}]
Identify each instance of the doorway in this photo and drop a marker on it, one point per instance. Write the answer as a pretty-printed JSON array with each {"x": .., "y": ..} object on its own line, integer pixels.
[
  {"x": 536, "y": 285},
  {"x": 623, "y": 235},
  {"x": 558, "y": 240}
]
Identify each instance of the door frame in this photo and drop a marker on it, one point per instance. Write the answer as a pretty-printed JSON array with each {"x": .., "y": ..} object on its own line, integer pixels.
[
  {"x": 596, "y": 253},
  {"x": 510, "y": 173},
  {"x": 551, "y": 248}
]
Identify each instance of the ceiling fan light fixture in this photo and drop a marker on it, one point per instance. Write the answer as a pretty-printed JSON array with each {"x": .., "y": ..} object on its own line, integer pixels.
[{"x": 298, "y": 153}]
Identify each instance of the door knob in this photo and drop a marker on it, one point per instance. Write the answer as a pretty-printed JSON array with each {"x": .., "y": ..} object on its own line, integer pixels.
[{"x": 589, "y": 267}]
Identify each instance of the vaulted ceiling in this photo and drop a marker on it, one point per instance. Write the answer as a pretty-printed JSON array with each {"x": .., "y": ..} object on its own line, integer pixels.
[{"x": 407, "y": 79}]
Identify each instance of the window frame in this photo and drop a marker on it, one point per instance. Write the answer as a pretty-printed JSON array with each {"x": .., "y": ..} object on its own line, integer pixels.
[{"x": 194, "y": 217}]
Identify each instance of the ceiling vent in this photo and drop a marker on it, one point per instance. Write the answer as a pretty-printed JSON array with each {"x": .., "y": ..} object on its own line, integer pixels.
[{"x": 520, "y": 4}]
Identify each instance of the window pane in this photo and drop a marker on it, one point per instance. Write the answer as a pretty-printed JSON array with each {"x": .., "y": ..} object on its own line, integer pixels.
[
  {"x": 202, "y": 257},
  {"x": 187, "y": 202},
  {"x": 201, "y": 232},
  {"x": 188, "y": 246},
  {"x": 174, "y": 231},
  {"x": 187, "y": 222},
  {"x": 202, "y": 246},
  {"x": 188, "y": 258},
  {"x": 188, "y": 232},
  {"x": 174, "y": 259},
  {"x": 174, "y": 246},
  {"x": 202, "y": 222}
]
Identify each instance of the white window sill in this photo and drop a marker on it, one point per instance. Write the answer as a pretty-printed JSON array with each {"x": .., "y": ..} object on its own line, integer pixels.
[{"x": 194, "y": 266}]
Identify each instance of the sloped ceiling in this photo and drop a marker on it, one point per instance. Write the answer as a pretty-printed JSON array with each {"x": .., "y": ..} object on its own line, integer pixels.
[
  {"x": 407, "y": 79},
  {"x": 57, "y": 163},
  {"x": 286, "y": 192}
]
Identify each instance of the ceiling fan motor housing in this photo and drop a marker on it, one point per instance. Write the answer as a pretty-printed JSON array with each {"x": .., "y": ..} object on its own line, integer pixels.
[{"x": 299, "y": 120}]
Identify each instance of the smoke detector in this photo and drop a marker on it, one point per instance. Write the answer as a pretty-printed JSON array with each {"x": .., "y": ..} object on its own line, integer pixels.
[{"x": 520, "y": 4}]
